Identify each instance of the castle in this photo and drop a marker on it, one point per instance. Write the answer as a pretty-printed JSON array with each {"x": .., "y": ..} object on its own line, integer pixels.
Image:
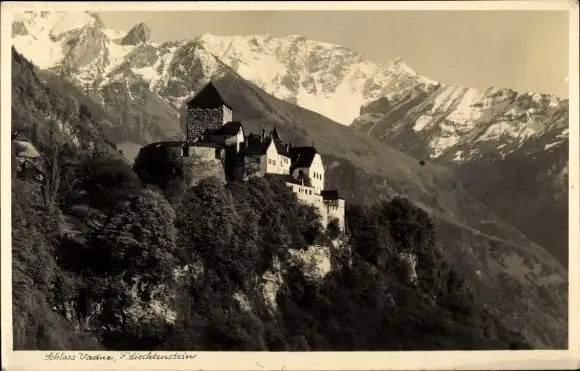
[{"x": 212, "y": 135}]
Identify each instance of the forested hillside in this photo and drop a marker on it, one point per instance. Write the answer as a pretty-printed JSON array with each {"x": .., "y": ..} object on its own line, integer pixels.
[
  {"x": 162, "y": 276},
  {"x": 103, "y": 261}
]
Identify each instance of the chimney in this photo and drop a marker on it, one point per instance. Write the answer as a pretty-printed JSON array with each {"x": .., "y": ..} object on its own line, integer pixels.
[
  {"x": 290, "y": 145},
  {"x": 263, "y": 134}
]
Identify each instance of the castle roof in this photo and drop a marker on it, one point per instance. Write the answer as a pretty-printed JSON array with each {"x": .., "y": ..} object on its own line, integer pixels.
[
  {"x": 302, "y": 156},
  {"x": 281, "y": 148},
  {"x": 208, "y": 97},
  {"x": 231, "y": 128},
  {"x": 330, "y": 195},
  {"x": 256, "y": 145}
]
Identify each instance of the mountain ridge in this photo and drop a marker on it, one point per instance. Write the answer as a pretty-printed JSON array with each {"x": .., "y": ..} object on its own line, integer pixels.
[{"x": 336, "y": 81}]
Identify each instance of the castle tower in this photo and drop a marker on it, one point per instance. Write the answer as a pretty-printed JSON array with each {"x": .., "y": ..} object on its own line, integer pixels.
[{"x": 206, "y": 110}]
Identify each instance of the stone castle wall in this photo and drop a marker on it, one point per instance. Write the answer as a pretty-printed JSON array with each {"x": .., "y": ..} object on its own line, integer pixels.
[
  {"x": 200, "y": 119},
  {"x": 195, "y": 162},
  {"x": 203, "y": 162},
  {"x": 336, "y": 211}
]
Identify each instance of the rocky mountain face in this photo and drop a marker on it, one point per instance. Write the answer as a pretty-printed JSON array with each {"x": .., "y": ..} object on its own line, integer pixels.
[
  {"x": 137, "y": 35},
  {"x": 144, "y": 85},
  {"x": 509, "y": 149},
  {"x": 294, "y": 69}
]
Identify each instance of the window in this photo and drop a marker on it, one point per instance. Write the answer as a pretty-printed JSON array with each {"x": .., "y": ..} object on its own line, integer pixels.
[{"x": 273, "y": 162}]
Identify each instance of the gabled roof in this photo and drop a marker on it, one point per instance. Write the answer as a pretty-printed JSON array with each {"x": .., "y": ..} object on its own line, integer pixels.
[
  {"x": 258, "y": 146},
  {"x": 281, "y": 148},
  {"x": 231, "y": 128},
  {"x": 208, "y": 97},
  {"x": 255, "y": 145},
  {"x": 19, "y": 137},
  {"x": 330, "y": 195},
  {"x": 302, "y": 156},
  {"x": 24, "y": 147}
]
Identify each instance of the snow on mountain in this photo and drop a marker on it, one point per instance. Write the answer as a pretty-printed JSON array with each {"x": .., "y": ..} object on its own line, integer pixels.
[
  {"x": 326, "y": 78},
  {"x": 389, "y": 101},
  {"x": 329, "y": 79},
  {"x": 458, "y": 124},
  {"x": 40, "y": 34}
]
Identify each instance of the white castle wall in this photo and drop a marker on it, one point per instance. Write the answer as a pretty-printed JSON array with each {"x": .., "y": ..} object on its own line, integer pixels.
[
  {"x": 273, "y": 163},
  {"x": 308, "y": 195},
  {"x": 316, "y": 173}
]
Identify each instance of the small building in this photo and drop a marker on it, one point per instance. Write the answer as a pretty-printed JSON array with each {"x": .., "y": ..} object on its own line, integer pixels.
[{"x": 29, "y": 161}]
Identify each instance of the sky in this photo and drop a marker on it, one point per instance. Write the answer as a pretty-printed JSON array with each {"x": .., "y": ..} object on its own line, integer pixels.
[{"x": 522, "y": 50}]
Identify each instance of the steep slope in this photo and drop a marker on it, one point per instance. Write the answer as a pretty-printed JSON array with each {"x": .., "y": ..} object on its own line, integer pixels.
[
  {"x": 39, "y": 285},
  {"x": 35, "y": 102},
  {"x": 509, "y": 149},
  {"x": 147, "y": 86}
]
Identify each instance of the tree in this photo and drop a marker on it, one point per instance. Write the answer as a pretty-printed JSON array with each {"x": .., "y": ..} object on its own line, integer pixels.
[
  {"x": 333, "y": 229},
  {"x": 210, "y": 225},
  {"x": 51, "y": 185},
  {"x": 162, "y": 167},
  {"x": 106, "y": 181},
  {"x": 139, "y": 239}
]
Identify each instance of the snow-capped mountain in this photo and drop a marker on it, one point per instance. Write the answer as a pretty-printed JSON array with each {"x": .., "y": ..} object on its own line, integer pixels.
[
  {"x": 329, "y": 79},
  {"x": 459, "y": 124},
  {"x": 386, "y": 100},
  {"x": 145, "y": 83}
]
